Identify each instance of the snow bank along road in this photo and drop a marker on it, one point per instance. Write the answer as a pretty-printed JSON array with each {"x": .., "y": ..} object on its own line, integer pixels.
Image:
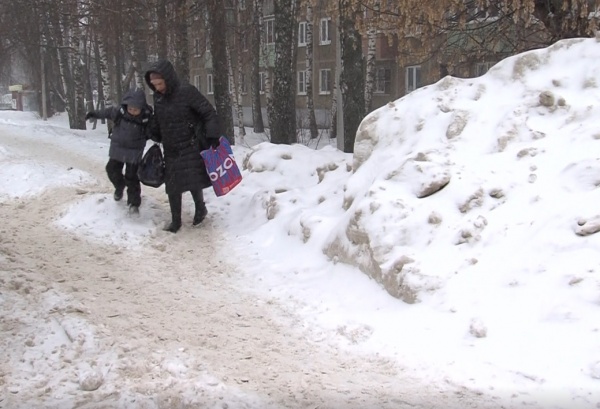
[{"x": 91, "y": 325}]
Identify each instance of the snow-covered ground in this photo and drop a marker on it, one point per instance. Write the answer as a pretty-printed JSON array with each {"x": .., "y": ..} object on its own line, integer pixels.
[{"x": 500, "y": 265}]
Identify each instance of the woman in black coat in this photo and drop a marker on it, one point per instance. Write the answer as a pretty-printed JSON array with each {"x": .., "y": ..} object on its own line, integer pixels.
[{"x": 185, "y": 123}]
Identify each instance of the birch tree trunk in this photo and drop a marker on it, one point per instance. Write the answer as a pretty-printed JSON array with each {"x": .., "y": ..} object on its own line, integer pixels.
[
  {"x": 333, "y": 111},
  {"x": 240, "y": 73},
  {"x": 86, "y": 52},
  {"x": 139, "y": 38},
  {"x": 257, "y": 120},
  {"x": 72, "y": 27},
  {"x": 39, "y": 18},
  {"x": 161, "y": 29},
  {"x": 236, "y": 82},
  {"x": 283, "y": 127},
  {"x": 79, "y": 83},
  {"x": 52, "y": 72},
  {"x": 352, "y": 75},
  {"x": 182, "y": 55},
  {"x": 294, "y": 42},
  {"x": 117, "y": 63},
  {"x": 98, "y": 69},
  {"x": 265, "y": 53},
  {"x": 107, "y": 26},
  {"x": 218, "y": 50},
  {"x": 371, "y": 51},
  {"x": 104, "y": 88},
  {"x": 66, "y": 76},
  {"x": 310, "y": 102}
]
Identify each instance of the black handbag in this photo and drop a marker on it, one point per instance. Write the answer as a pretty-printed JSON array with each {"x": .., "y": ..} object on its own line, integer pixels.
[{"x": 151, "y": 171}]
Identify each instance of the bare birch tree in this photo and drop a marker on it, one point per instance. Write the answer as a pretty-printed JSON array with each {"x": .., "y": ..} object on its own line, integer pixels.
[
  {"x": 371, "y": 51},
  {"x": 77, "y": 61},
  {"x": 352, "y": 73},
  {"x": 310, "y": 100},
  {"x": 138, "y": 39},
  {"x": 62, "y": 43},
  {"x": 239, "y": 32},
  {"x": 218, "y": 50},
  {"x": 255, "y": 41},
  {"x": 104, "y": 89},
  {"x": 265, "y": 55},
  {"x": 283, "y": 126},
  {"x": 161, "y": 29},
  {"x": 181, "y": 56},
  {"x": 235, "y": 79},
  {"x": 333, "y": 112}
]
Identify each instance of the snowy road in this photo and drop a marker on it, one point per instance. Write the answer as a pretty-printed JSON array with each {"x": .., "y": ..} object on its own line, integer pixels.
[{"x": 89, "y": 325}]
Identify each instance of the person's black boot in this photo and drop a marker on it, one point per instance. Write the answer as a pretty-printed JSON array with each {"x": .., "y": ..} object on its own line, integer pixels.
[
  {"x": 175, "y": 204},
  {"x": 114, "y": 171},
  {"x": 201, "y": 211},
  {"x": 173, "y": 227},
  {"x": 118, "y": 195},
  {"x": 200, "y": 215}
]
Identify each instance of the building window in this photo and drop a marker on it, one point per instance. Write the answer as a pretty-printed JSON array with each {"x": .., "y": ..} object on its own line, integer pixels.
[
  {"x": 244, "y": 80},
  {"x": 325, "y": 30},
  {"x": 483, "y": 67},
  {"x": 197, "y": 47},
  {"x": 481, "y": 13},
  {"x": 209, "y": 84},
  {"x": 242, "y": 4},
  {"x": 270, "y": 31},
  {"x": 413, "y": 78},
  {"x": 301, "y": 82},
  {"x": 197, "y": 82},
  {"x": 415, "y": 30},
  {"x": 302, "y": 34},
  {"x": 325, "y": 82},
  {"x": 261, "y": 83},
  {"x": 383, "y": 81}
]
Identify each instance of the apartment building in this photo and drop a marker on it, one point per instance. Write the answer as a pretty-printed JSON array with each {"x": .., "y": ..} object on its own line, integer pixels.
[{"x": 392, "y": 78}]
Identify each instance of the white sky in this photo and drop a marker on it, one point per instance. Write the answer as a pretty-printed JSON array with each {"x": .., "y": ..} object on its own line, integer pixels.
[{"x": 523, "y": 276}]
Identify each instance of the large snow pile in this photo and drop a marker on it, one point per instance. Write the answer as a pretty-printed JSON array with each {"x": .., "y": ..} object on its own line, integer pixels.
[{"x": 447, "y": 170}]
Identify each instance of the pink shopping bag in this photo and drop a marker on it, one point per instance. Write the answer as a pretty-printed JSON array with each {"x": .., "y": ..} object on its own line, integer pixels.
[{"x": 221, "y": 167}]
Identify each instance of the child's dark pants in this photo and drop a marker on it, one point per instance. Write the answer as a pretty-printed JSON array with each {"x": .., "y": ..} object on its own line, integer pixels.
[{"x": 114, "y": 170}]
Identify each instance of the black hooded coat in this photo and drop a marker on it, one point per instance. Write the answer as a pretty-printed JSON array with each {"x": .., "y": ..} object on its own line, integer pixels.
[{"x": 179, "y": 112}]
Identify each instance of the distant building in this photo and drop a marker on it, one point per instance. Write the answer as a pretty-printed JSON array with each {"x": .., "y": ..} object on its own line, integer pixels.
[{"x": 392, "y": 78}]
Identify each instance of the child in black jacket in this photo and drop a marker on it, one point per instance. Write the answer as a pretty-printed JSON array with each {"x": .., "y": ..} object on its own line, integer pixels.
[{"x": 127, "y": 142}]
